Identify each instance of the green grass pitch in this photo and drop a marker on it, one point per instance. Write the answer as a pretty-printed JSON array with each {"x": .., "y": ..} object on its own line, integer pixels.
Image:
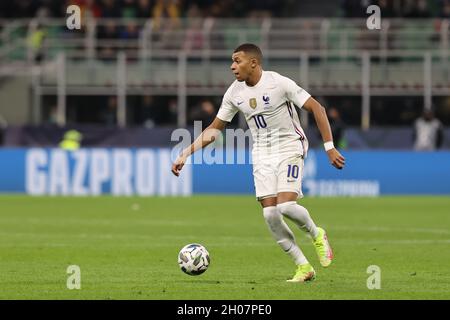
[{"x": 127, "y": 248}]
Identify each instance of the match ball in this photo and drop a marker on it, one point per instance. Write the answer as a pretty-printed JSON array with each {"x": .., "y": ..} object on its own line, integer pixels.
[{"x": 193, "y": 259}]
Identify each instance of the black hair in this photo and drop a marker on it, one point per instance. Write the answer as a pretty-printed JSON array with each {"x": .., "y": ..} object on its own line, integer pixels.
[{"x": 251, "y": 49}]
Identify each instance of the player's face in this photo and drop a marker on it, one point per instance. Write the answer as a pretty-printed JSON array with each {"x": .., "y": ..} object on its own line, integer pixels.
[{"x": 242, "y": 65}]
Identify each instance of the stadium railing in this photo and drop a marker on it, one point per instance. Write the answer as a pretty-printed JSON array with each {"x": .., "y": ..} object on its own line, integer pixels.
[
  {"x": 192, "y": 57},
  {"x": 143, "y": 37}
]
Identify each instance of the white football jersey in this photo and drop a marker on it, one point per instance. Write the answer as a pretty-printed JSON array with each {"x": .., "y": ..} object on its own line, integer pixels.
[
  {"x": 270, "y": 113},
  {"x": 426, "y": 134}
]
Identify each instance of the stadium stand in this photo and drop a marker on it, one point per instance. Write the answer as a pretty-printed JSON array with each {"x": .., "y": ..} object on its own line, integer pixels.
[{"x": 178, "y": 53}]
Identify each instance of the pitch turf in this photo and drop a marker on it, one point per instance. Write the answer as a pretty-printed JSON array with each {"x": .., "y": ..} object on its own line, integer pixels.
[{"x": 127, "y": 248}]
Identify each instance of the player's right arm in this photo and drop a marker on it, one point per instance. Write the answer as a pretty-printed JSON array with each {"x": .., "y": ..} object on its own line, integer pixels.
[
  {"x": 303, "y": 99},
  {"x": 206, "y": 137},
  {"x": 226, "y": 113},
  {"x": 320, "y": 115}
]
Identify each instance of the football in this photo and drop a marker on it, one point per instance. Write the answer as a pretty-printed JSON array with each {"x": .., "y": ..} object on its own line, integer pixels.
[{"x": 193, "y": 259}]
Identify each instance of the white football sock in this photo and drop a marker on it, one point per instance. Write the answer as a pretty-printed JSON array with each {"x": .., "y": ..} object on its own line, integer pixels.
[
  {"x": 300, "y": 216},
  {"x": 284, "y": 236}
]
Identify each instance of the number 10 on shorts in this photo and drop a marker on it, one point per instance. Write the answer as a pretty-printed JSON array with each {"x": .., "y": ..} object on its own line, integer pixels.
[{"x": 293, "y": 171}]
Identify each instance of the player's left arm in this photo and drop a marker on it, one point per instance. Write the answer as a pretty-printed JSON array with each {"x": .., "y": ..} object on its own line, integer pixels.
[{"x": 320, "y": 115}]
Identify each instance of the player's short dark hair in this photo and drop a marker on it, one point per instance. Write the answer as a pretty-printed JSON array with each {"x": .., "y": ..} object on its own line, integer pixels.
[{"x": 251, "y": 49}]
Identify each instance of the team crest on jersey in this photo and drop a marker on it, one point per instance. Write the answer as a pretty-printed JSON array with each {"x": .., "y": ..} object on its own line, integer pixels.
[
  {"x": 266, "y": 99},
  {"x": 252, "y": 103}
]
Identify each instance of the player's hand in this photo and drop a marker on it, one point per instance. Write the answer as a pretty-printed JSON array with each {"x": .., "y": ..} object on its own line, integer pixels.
[
  {"x": 178, "y": 165},
  {"x": 336, "y": 159}
]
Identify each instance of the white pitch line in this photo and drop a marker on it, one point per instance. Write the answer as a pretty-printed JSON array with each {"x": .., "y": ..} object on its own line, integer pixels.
[
  {"x": 222, "y": 241},
  {"x": 388, "y": 229}
]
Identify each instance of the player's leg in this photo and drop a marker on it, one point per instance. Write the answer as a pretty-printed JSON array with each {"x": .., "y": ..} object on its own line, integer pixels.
[
  {"x": 288, "y": 207},
  {"x": 289, "y": 189},
  {"x": 290, "y": 174},
  {"x": 265, "y": 178},
  {"x": 281, "y": 231},
  {"x": 305, "y": 271}
]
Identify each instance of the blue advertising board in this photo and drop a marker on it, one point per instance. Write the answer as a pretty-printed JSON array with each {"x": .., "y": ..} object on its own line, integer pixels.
[{"x": 146, "y": 172}]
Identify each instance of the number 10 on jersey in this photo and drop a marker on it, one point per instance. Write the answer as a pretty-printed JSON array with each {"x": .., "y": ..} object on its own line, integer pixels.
[
  {"x": 259, "y": 121},
  {"x": 293, "y": 171}
]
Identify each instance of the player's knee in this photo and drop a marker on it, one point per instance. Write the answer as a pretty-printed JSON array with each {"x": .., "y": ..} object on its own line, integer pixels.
[
  {"x": 286, "y": 207},
  {"x": 271, "y": 215}
]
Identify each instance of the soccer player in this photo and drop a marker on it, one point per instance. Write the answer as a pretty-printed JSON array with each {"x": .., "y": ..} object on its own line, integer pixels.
[{"x": 280, "y": 146}]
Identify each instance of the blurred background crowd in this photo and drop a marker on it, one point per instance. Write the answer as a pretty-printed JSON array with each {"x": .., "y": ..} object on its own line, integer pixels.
[
  {"x": 150, "y": 111},
  {"x": 225, "y": 8}
]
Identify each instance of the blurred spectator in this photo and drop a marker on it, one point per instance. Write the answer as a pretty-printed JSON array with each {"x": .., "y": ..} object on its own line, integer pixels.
[
  {"x": 90, "y": 9},
  {"x": 203, "y": 6},
  {"x": 309, "y": 39},
  {"x": 130, "y": 31},
  {"x": 24, "y": 8},
  {"x": 54, "y": 7},
  {"x": 193, "y": 12},
  {"x": 172, "y": 111},
  {"x": 194, "y": 34},
  {"x": 445, "y": 9},
  {"x": 3, "y": 125},
  {"x": 355, "y": 8},
  {"x": 52, "y": 115},
  {"x": 166, "y": 18},
  {"x": 150, "y": 113},
  {"x": 166, "y": 9},
  {"x": 109, "y": 117},
  {"x": 144, "y": 9},
  {"x": 397, "y": 5},
  {"x": 418, "y": 9},
  {"x": 337, "y": 128},
  {"x": 222, "y": 9},
  {"x": 35, "y": 43},
  {"x": 204, "y": 112},
  {"x": 107, "y": 32},
  {"x": 71, "y": 140},
  {"x": 428, "y": 132},
  {"x": 261, "y": 8},
  {"x": 129, "y": 9},
  {"x": 110, "y": 9},
  {"x": 43, "y": 11},
  {"x": 173, "y": 9},
  {"x": 387, "y": 8}
]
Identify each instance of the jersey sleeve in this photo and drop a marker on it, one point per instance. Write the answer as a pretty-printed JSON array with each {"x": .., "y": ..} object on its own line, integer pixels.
[
  {"x": 227, "y": 109},
  {"x": 294, "y": 93}
]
